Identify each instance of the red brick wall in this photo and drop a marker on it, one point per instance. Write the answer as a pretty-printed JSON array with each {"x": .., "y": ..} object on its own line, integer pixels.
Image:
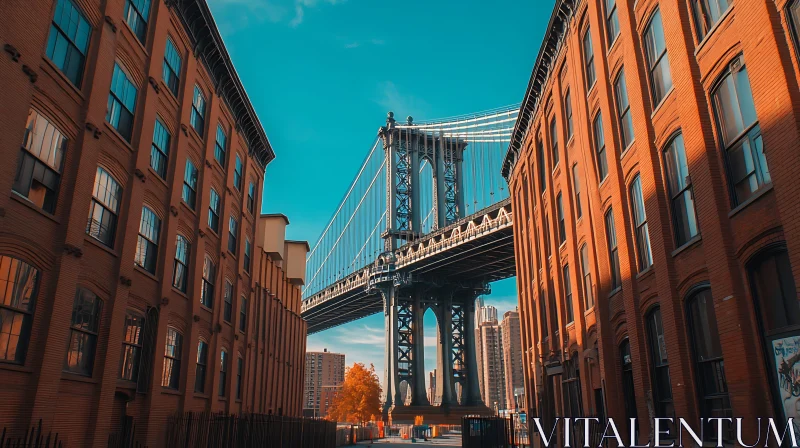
[
  {"x": 84, "y": 409},
  {"x": 728, "y": 237}
]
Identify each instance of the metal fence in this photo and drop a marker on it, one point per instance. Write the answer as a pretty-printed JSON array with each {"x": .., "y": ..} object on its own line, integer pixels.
[
  {"x": 33, "y": 437},
  {"x": 208, "y": 430},
  {"x": 487, "y": 432}
]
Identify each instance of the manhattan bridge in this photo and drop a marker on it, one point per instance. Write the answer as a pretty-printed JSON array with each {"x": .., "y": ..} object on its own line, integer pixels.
[{"x": 425, "y": 224}]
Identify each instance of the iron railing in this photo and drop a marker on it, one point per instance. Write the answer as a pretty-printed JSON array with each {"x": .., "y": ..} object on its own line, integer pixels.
[
  {"x": 34, "y": 437},
  {"x": 209, "y": 430}
]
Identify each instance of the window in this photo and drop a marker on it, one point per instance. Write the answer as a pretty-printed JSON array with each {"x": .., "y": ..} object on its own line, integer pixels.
[
  {"x": 200, "y": 369},
  {"x": 588, "y": 296},
  {"x": 773, "y": 286},
  {"x": 160, "y": 149},
  {"x": 547, "y": 235},
  {"x": 542, "y": 166},
  {"x": 83, "y": 333},
  {"x": 628, "y": 389},
  {"x": 233, "y": 233},
  {"x": 247, "y": 255},
  {"x": 180, "y": 273},
  {"x": 680, "y": 190},
  {"x": 576, "y": 184},
  {"x": 198, "y": 118},
  {"x": 172, "y": 67},
  {"x": 132, "y": 346},
  {"x": 571, "y": 387},
  {"x": 543, "y": 314},
  {"x": 209, "y": 273},
  {"x": 243, "y": 314},
  {"x": 189, "y": 194},
  {"x": 641, "y": 233},
  {"x": 227, "y": 309},
  {"x": 657, "y": 60},
  {"x": 794, "y": 10},
  {"x": 237, "y": 174},
  {"x": 707, "y": 13},
  {"x": 18, "y": 288},
  {"x": 554, "y": 141},
  {"x": 239, "y": 372},
  {"x": 171, "y": 373},
  {"x": 251, "y": 198},
  {"x": 121, "y": 103},
  {"x": 39, "y": 171},
  {"x": 612, "y": 22},
  {"x": 213, "y": 211},
  {"x": 103, "y": 211},
  {"x": 568, "y": 114},
  {"x": 712, "y": 387},
  {"x": 69, "y": 40},
  {"x": 223, "y": 372},
  {"x": 147, "y": 244},
  {"x": 588, "y": 59},
  {"x": 740, "y": 133},
  {"x": 623, "y": 110},
  {"x": 568, "y": 294},
  {"x": 600, "y": 147},
  {"x": 662, "y": 388},
  {"x": 562, "y": 229},
  {"x": 136, "y": 14},
  {"x": 220, "y": 145},
  {"x": 613, "y": 254}
]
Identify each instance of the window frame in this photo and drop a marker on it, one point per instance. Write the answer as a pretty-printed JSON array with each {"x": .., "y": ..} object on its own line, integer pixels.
[
  {"x": 171, "y": 370},
  {"x": 223, "y": 373},
  {"x": 132, "y": 347},
  {"x": 26, "y": 292},
  {"x": 613, "y": 250},
  {"x": 568, "y": 114},
  {"x": 233, "y": 235},
  {"x": 197, "y": 118},
  {"x": 180, "y": 262},
  {"x": 238, "y": 173},
  {"x": 609, "y": 14},
  {"x": 657, "y": 60},
  {"x": 576, "y": 189},
  {"x": 227, "y": 307},
  {"x": 51, "y": 165},
  {"x": 132, "y": 12},
  {"x": 590, "y": 73},
  {"x": 675, "y": 196},
  {"x": 661, "y": 404},
  {"x": 624, "y": 116},
  {"x": 167, "y": 68},
  {"x": 221, "y": 147},
  {"x": 189, "y": 191},
  {"x": 52, "y": 41},
  {"x": 100, "y": 175},
  {"x": 251, "y": 198},
  {"x": 118, "y": 102},
  {"x": 239, "y": 375},
  {"x": 209, "y": 277},
  {"x": 243, "y": 311},
  {"x": 147, "y": 242},
  {"x": 214, "y": 207},
  {"x": 567, "y": 285},
  {"x": 562, "y": 228},
  {"x": 600, "y": 152},
  {"x": 703, "y": 24},
  {"x": 641, "y": 232},
  {"x": 201, "y": 367},
  {"x": 554, "y": 142},
  {"x": 749, "y": 136},
  {"x": 586, "y": 272},
  {"x": 542, "y": 165},
  {"x": 246, "y": 263},
  {"x": 159, "y": 157},
  {"x": 88, "y": 332}
]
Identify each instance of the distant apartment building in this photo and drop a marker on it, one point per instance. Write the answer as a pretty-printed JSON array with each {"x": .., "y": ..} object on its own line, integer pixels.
[
  {"x": 512, "y": 360},
  {"x": 432, "y": 386},
  {"x": 324, "y": 377},
  {"x": 491, "y": 372}
]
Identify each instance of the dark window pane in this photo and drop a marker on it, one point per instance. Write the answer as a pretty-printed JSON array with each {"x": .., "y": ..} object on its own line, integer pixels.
[
  {"x": 774, "y": 289},
  {"x": 69, "y": 40},
  {"x": 104, "y": 207},
  {"x": 200, "y": 371},
  {"x": 220, "y": 145},
  {"x": 147, "y": 244},
  {"x": 18, "y": 287},
  {"x": 121, "y": 103},
  {"x": 85, "y": 325},
  {"x": 198, "y": 116},
  {"x": 588, "y": 59},
  {"x": 136, "y": 15},
  {"x": 228, "y": 306},
  {"x": 172, "y": 67},
  {"x": 189, "y": 194},
  {"x": 132, "y": 346},
  {"x": 160, "y": 149}
]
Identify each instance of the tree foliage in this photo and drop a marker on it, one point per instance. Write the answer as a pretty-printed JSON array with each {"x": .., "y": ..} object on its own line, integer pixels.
[{"x": 360, "y": 396}]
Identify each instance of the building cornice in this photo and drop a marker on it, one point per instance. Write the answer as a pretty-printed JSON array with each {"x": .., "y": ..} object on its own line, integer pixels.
[
  {"x": 560, "y": 20},
  {"x": 208, "y": 47}
]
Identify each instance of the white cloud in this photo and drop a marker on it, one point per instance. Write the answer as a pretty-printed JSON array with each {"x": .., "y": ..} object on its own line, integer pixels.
[
  {"x": 232, "y": 15},
  {"x": 302, "y": 5}
]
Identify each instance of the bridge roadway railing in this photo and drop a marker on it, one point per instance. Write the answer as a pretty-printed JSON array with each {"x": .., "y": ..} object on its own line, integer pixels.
[{"x": 486, "y": 221}]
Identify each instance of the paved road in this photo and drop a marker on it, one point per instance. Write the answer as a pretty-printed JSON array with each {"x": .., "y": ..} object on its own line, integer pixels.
[{"x": 448, "y": 440}]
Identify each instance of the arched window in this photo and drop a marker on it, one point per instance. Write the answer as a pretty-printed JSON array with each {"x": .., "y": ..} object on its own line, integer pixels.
[
  {"x": 132, "y": 346},
  {"x": 628, "y": 390},
  {"x": 679, "y": 185},
  {"x": 657, "y": 60},
  {"x": 180, "y": 272},
  {"x": 571, "y": 385},
  {"x": 588, "y": 296},
  {"x": 147, "y": 244},
  {"x": 712, "y": 388},
  {"x": 104, "y": 208},
  {"x": 209, "y": 274},
  {"x": 659, "y": 365},
  {"x": 18, "y": 288},
  {"x": 200, "y": 369},
  {"x": 173, "y": 349},
  {"x": 86, "y": 311}
]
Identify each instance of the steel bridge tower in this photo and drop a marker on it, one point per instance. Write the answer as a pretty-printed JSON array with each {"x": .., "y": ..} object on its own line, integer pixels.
[{"x": 406, "y": 298}]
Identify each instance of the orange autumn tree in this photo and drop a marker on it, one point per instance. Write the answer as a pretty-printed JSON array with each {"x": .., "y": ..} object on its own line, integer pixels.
[{"x": 360, "y": 396}]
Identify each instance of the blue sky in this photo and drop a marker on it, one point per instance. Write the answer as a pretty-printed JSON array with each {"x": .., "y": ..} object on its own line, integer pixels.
[{"x": 322, "y": 74}]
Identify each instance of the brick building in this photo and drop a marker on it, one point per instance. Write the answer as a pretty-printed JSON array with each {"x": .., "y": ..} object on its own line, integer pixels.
[
  {"x": 653, "y": 172},
  {"x": 137, "y": 276},
  {"x": 324, "y": 377}
]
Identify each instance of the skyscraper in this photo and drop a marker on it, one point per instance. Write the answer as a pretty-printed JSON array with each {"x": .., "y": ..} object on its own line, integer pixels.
[
  {"x": 512, "y": 359},
  {"x": 491, "y": 374},
  {"x": 324, "y": 377}
]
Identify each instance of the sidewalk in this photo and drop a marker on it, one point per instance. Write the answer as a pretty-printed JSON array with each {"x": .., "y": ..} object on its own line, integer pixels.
[{"x": 448, "y": 440}]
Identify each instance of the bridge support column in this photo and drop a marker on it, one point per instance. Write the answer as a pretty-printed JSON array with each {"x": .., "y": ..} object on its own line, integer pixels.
[
  {"x": 445, "y": 390},
  {"x": 472, "y": 393},
  {"x": 418, "y": 395},
  {"x": 391, "y": 379}
]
